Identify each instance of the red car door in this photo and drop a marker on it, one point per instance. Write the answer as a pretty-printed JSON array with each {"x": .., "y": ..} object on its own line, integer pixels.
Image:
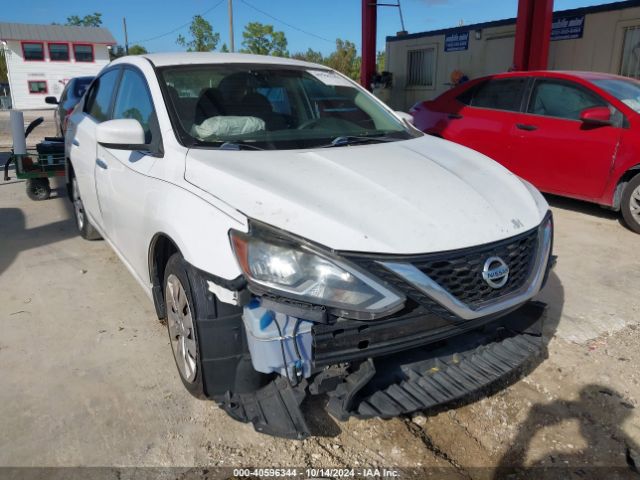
[
  {"x": 484, "y": 122},
  {"x": 557, "y": 152}
]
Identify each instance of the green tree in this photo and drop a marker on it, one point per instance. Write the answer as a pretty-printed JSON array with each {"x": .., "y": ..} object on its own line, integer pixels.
[
  {"x": 203, "y": 38},
  {"x": 380, "y": 61},
  {"x": 262, "y": 39},
  {"x": 345, "y": 59},
  {"x": 94, "y": 20},
  {"x": 224, "y": 48},
  {"x": 309, "y": 56},
  {"x": 118, "y": 51},
  {"x": 137, "y": 50}
]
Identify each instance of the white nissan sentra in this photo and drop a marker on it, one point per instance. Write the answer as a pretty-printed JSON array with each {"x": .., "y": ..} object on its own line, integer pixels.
[{"x": 301, "y": 238}]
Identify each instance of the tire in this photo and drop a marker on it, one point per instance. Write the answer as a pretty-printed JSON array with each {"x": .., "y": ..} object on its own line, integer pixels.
[
  {"x": 85, "y": 228},
  {"x": 38, "y": 189},
  {"x": 181, "y": 325},
  {"x": 630, "y": 204}
]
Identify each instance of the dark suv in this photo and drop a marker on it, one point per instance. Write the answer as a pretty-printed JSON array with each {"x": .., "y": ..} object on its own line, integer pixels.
[{"x": 71, "y": 95}]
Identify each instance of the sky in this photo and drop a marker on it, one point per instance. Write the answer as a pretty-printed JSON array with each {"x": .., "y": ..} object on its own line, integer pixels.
[{"x": 155, "y": 24}]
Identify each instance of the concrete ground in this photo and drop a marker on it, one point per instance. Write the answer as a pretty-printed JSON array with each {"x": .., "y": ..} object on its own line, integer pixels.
[{"x": 87, "y": 377}]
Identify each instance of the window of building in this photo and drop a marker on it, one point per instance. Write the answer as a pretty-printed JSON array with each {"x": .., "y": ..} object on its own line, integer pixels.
[
  {"x": 33, "y": 51},
  {"x": 59, "y": 52},
  {"x": 98, "y": 103},
  {"x": 562, "y": 100},
  {"x": 421, "y": 67},
  {"x": 498, "y": 94},
  {"x": 133, "y": 101},
  {"x": 83, "y": 53},
  {"x": 38, "y": 86},
  {"x": 630, "y": 64}
]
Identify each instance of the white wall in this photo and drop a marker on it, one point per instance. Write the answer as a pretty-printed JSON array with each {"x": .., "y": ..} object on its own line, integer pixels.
[
  {"x": 600, "y": 49},
  {"x": 55, "y": 73}
]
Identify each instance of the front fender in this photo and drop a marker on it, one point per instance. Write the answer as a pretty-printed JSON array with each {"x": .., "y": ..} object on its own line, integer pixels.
[{"x": 198, "y": 229}]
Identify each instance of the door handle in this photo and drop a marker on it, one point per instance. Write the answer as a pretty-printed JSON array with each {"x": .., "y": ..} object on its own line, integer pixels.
[
  {"x": 101, "y": 164},
  {"x": 528, "y": 128},
  {"x": 75, "y": 142},
  {"x": 455, "y": 116}
]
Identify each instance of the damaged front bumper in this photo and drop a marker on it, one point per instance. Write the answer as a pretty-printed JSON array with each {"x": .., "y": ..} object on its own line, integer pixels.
[
  {"x": 262, "y": 356},
  {"x": 437, "y": 373}
]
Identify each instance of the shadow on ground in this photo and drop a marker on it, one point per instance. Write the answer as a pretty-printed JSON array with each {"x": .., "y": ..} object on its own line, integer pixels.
[
  {"x": 15, "y": 237},
  {"x": 609, "y": 452},
  {"x": 586, "y": 208}
]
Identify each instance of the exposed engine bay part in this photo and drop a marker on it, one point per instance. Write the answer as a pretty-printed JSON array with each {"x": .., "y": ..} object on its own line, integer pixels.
[{"x": 278, "y": 343}]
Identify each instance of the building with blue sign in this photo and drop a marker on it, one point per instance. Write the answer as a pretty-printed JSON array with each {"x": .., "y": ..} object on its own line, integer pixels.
[{"x": 603, "y": 38}]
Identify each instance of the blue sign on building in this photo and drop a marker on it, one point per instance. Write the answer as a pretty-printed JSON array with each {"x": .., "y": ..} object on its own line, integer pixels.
[
  {"x": 567, "y": 28},
  {"x": 456, "y": 42}
]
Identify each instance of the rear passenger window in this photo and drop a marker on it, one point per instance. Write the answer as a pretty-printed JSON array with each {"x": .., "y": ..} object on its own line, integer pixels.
[
  {"x": 99, "y": 101},
  {"x": 499, "y": 94}
]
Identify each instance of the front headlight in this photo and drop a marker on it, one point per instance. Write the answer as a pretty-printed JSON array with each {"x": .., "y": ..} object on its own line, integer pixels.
[{"x": 278, "y": 263}]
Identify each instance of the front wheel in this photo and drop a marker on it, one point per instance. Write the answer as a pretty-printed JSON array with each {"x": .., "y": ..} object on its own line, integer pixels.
[
  {"x": 630, "y": 205},
  {"x": 87, "y": 231},
  {"x": 38, "y": 189},
  {"x": 181, "y": 318}
]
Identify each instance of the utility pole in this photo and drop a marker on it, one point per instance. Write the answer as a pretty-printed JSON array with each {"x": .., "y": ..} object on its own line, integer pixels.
[
  {"x": 231, "y": 44},
  {"x": 126, "y": 38}
]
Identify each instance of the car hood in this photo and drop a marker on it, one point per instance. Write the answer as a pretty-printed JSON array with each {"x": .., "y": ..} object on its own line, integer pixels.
[{"x": 414, "y": 196}]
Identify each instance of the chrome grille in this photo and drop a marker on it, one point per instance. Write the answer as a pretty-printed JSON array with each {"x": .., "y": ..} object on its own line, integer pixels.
[{"x": 460, "y": 271}]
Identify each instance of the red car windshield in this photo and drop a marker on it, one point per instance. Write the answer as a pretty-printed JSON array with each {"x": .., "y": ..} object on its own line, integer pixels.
[{"x": 627, "y": 91}]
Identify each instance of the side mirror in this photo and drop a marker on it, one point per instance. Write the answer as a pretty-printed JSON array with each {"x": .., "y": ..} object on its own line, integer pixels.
[
  {"x": 596, "y": 116},
  {"x": 51, "y": 100},
  {"x": 121, "y": 134},
  {"x": 406, "y": 117}
]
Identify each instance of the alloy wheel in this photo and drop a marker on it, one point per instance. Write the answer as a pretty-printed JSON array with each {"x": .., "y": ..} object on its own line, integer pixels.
[
  {"x": 634, "y": 202},
  {"x": 77, "y": 204},
  {"x": 181, "y": 330}
]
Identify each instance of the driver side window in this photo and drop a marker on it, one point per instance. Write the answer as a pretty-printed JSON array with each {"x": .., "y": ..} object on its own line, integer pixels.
[
  {"x": 133, "y": 101},
  {"x": 562, "y": 100}
]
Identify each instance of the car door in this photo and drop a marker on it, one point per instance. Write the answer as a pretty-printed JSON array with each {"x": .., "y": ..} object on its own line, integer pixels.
[
  {"x": 96, "y": 109},
  {"x": 554, "y": 149},
  {"x": 484, "y": 122},
  {"x": 122, "y": 180}
]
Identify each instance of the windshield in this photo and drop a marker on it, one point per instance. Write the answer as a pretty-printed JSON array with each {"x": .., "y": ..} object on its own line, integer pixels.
[
  {"x": 265, "y": 107},
  {"x": 627, "y": 91}
]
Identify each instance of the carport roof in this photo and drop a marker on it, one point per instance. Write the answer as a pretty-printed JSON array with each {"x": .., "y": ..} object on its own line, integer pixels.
[{"x": 55, "y": 33}]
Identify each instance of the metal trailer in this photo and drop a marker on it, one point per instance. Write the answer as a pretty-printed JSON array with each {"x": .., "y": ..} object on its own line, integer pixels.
[{"x": 38, "y": 165}]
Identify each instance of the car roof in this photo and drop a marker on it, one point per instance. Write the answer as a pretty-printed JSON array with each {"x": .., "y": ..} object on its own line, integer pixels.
[
  {"x": 584, "y": 75},
  {"x": 202, "y": 58}
]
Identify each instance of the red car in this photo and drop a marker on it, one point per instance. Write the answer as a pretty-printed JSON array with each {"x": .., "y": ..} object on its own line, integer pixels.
[{"x": 575, "y": 134}]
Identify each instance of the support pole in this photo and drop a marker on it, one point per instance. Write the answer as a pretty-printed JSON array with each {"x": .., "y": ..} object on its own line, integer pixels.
[
  {"x": 126, "y": 37},
  {"x": 533, "y": 34},
  {"x": 369, "y": 24},
  {"x": 232, "y": 47},
  {"x": 541, "y": 33}
]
